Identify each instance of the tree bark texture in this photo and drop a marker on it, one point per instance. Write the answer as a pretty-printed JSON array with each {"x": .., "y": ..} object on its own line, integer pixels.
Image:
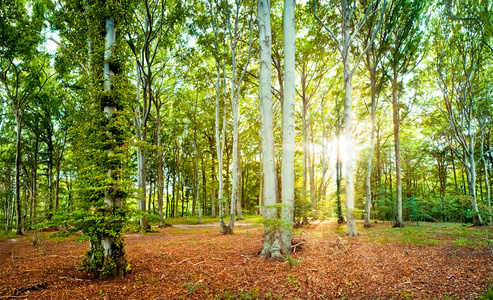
[
  {"x": 398, "y": 179},
  {"x": 18, "y": 204},
  {"x": 273, "y": 244},
  {"x": 288, "y": 124}
]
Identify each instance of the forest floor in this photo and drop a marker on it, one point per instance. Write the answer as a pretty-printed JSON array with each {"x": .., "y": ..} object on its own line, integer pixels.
[{"x": 430, "y": 261}]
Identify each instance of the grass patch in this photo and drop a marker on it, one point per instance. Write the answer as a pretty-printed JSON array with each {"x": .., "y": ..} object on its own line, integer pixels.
[
  {"x": 208, "y": 220},
  {"x": 242, "y": 294},
  {"x": 190, "y": 220},
  {"x": 428, "y": 234},
  {"x": 488, "y": 295},
  {"x": 7, "y": 235}
]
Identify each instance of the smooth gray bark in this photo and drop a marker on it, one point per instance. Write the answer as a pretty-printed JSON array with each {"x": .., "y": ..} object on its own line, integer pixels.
[
  {"x": 288, "y": 123},
  {"x": 398, "y": 178},
  {"x": 273, "y": 243}
]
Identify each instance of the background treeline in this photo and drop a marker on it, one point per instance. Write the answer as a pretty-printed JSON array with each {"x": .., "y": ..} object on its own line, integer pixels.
[{"x": 431, "y": 64}]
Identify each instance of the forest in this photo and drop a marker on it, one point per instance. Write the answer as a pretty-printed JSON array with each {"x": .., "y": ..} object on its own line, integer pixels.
[{"x": 289, "y": 131}]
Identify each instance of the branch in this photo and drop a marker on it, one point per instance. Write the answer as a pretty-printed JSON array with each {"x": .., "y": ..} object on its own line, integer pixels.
[
  {"x": 451, "y": 15},
  {"x": 339, "y": 47},
  {"x": 372, "y": 38},
  {"x": 75, "y": 56}
]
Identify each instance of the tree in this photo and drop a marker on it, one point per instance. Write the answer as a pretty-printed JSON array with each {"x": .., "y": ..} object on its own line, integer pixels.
[
  {"x": 235, "y": 96},
  {"x": 220, "y": 133},
  {"x": 103, "y": 180},
  {"x": 288, "y": 123},
  {"x": 273, "y": 242},
  {"x": 372, "y": 61},
  {"x": 404, "y": 29},
  {"x": 345, "y": 46}
]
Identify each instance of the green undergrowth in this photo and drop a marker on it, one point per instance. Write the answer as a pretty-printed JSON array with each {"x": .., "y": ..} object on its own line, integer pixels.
[
  {"x": 427, "y": 234},
  {"x": 488, "y": 295},
  {"x": 239, "y": 294},
  {"x": 207, "y": 220},
  {"x": 7, "y": 235},
  {"x": 61, "y": 236},
  {"x": 135, "y": 228}
]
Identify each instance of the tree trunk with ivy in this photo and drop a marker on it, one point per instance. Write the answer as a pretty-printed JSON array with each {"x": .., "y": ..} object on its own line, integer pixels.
[{"x": 106, "y": 256}]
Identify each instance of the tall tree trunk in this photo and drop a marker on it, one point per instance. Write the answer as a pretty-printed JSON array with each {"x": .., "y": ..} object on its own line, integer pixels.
[
  {"x": 227, "y": 183},
  {"x": 234, "y": 176},
  {"x": 373, "y": 111},
  {"x": 150, "y": 196},
  {"x": 345, "y": 45},
  {"x": 260, "y": 195},
  {"x": 173, "y": 198},
  {"x": 141, "y": 169},
  {"x": 398, "y": 183},
  {"x": 57, "y": 184},
  {"x": 68, "y": 183},
  {"x": 304, "y": 126},
  {"x": 184, "y": 195},
  {"x": 471, "y": 167},
  {"x": 322, "y": 189},
  {"x": 160, "y": 173},
  {"x": 35, "y": 183},
  {"x": 194, "y": 199},
  {"x": 487, "y": 186},
  {"x": 176, "y": 185},
  {"x": 213, "y": 181},
  {"x": 288, "y": 124},
  {"x": 18, "y": 204},
  {"x": 107, "y": 252},
  {"x": 311, "y": 170},
  {"x": 340, "y": 218},
  {"x": 273, "y": 243},
  {"x": 50, "y": 178},
  {"x": 348, "y": 134},
  {"x": 239, "y": 194},
  {"x": 196, "y": 196},
  {"x": 173, "y": 211},
  {"x": 220, "y": 141},
  {"x": 213, "y": 190},
  {"x": 455, "y": 173},
  {"x": 168, "y": 211},
  {"x": 204, "y": 186},
  {"x": 143, "y": 182}
]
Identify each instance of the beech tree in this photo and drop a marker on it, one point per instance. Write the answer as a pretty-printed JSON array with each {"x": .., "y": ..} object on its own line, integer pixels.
[
  {"x": 235, "y": 98},
  {"x": 372, "y": 60},
  {"x": 404, "y": 30},
  {"x": 273, "y": 242},
  {"x": 220, "y": 132},
  {"x": 288, "y": 124},
  {"x": 345, "y": 45}
]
